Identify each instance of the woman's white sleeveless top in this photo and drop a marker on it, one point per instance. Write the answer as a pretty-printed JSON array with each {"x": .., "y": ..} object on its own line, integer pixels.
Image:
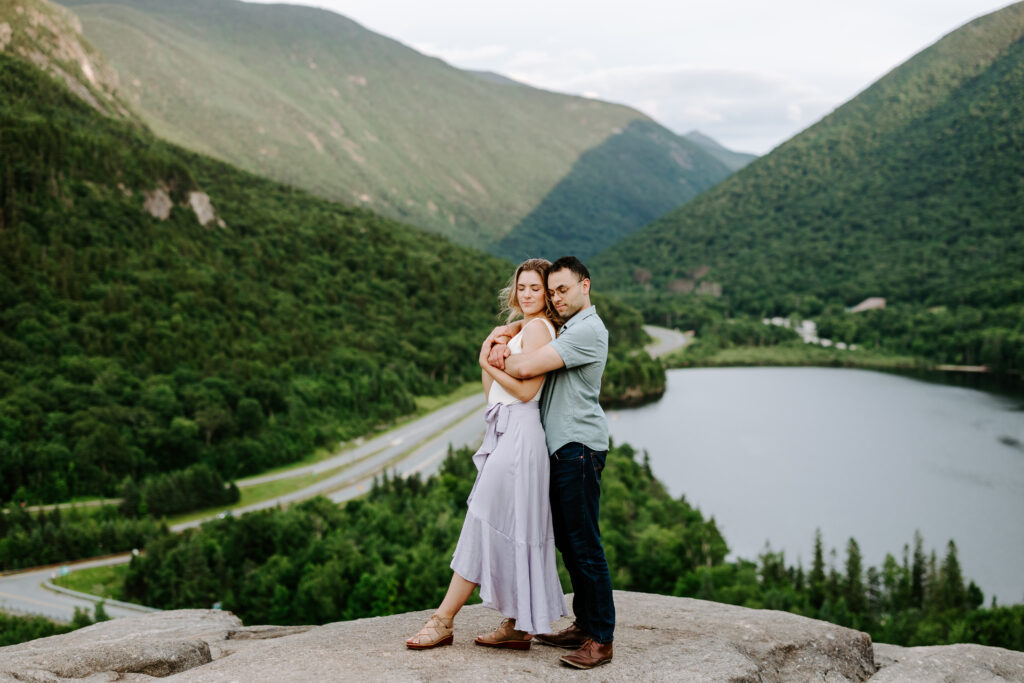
[{"x": 497, "y": 393}]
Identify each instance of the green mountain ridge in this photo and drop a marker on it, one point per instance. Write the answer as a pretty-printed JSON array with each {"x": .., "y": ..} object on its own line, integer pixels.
[
  {"x": 734, "y": 160},
  {"x": 911, "y": 191},
  {"x": 310, "y": 98}
]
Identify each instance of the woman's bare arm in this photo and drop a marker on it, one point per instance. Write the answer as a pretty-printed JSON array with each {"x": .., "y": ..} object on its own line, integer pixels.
[{"x": 534, "y": 337}]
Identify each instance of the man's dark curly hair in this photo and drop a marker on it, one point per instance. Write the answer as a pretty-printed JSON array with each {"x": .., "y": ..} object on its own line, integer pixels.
[{"x": 573, "y": 264}]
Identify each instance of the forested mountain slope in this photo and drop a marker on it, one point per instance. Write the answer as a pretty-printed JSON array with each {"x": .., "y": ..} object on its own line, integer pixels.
[
  {"x": 911, "y": 191},
  {"x": 313, "y": 99},
  {"x": 131, "y": 344},
  {"x": 609, "y": 194}
]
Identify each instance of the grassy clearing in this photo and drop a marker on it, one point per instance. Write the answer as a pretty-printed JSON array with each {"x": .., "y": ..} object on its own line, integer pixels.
[
  {"x": 428, "y": 404},
  {"x": 791, "y": 355},
  {"x": 106, "y": 582},
  {"x": 260, "y": 493},
  {"x": 424, "y": 406}
]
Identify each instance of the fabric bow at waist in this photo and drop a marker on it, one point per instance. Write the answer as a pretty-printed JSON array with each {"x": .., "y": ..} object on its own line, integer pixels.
[{"x": 496, "y": 421}]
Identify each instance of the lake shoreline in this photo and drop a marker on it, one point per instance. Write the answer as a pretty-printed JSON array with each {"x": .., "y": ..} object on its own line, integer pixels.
[
  {"x": 810, "y": 356},
  {"x": 776, "y": 452}
]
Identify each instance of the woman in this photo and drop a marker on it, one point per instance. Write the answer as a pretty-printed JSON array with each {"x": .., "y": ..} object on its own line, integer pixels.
[{"x": 507, "y": 544}]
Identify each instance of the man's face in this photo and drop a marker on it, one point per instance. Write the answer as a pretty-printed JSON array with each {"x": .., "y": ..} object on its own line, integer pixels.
[{"x": 568, "y": 295}]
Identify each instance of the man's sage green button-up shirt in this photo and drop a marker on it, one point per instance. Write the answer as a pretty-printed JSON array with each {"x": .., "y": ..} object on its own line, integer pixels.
[{"x": 569, "y": 408}]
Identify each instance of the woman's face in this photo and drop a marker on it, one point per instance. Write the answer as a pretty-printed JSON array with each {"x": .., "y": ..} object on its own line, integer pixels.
[{"x": 530, "y": 292}]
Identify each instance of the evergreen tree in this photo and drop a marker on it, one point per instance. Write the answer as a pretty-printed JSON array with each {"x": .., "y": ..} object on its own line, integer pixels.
[
  {"x": 131, "y": 498},
  {"x": 952, "y": 594},
  {"x": 917, "y": 572},
  {"x": 816, "y": 580},
  {"x": 853, "y": 588},
  {"x": 932, "y": 587}
]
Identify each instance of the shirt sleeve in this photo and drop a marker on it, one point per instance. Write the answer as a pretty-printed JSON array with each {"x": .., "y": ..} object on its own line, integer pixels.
[{"x": 580, "y": 345}]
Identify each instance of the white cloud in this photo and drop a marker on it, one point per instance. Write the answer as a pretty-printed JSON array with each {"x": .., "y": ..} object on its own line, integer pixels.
[
  {"x": 746, "y": 109},
  {"x": 750, "y": 74}
]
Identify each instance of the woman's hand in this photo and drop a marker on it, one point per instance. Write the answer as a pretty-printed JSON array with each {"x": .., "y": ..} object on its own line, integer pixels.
[
  {"x": 485, "y": 350},
  {"x": 496, "y": 358},
  {"x": 494, "y": 350}
]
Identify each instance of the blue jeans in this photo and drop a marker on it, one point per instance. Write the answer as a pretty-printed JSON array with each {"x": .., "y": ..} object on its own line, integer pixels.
[{"x": 575, "y": 501}]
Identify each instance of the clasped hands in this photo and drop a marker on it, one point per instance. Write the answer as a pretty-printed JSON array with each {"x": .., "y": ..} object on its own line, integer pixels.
[{"x": 495, "y": 349}]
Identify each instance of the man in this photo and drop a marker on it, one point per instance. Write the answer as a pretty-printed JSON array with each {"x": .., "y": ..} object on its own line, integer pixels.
[{"x": 577, "y": 439}]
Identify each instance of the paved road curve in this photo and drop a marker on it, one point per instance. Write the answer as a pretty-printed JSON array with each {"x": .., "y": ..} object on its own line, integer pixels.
[
  {"x": 666, "y": 340},
  {"x": 25, "y": 593}
]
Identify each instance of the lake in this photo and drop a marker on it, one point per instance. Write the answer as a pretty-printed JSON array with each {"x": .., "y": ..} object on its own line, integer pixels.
[{"x": 774, "y": 453}]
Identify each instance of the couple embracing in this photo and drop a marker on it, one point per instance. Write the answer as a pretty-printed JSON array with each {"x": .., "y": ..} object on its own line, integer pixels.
[{"x": 539, "y": 474}]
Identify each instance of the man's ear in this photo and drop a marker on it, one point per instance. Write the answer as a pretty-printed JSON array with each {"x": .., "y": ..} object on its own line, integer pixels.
[{"x": 586, "y": 285}]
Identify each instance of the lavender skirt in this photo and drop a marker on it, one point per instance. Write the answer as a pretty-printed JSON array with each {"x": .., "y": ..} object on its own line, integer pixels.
[{"x": 507, "y": 545}]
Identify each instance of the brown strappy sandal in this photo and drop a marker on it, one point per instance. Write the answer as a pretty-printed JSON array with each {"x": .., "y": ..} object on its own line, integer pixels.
[
  {"x": 436, "y": 632},
  {"x": 507, "y": 636}
]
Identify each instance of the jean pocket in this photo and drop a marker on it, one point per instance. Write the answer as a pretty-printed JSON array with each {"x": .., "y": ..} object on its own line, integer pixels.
[
  {"x": 570, "y": 454},
  {"x": 597, "y": 460}
]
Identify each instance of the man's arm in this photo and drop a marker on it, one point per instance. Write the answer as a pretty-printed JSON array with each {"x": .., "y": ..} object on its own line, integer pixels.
[{"x": 533, "y": 363}]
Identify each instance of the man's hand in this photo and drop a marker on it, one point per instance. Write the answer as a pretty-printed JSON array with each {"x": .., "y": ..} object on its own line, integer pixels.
[{"x": 502, "y": 333}]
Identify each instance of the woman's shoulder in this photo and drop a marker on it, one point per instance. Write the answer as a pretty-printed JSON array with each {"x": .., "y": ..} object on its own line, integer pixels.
[{"x": 546, "y": 324}]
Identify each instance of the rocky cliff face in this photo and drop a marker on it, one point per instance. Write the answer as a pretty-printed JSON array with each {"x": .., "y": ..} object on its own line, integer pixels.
[
  {"x": 658, "y": 638},
  {"x": 50, "y": 36}
]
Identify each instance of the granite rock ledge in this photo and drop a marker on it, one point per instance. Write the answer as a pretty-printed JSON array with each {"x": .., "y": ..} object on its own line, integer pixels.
[{"x": 658, "y": 638}]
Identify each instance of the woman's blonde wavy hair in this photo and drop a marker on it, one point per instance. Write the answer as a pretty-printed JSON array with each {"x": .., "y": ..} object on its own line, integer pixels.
[{"x": 507, "y": 296}]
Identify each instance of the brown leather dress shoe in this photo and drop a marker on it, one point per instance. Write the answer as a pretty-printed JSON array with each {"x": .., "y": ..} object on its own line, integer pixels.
[
  {"x": 569, "y": 638},
  {"x": 590, "y": 655}
]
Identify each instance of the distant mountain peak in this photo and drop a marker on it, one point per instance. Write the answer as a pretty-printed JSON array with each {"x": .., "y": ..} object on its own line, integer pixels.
[{"x": 702, "y": 139}]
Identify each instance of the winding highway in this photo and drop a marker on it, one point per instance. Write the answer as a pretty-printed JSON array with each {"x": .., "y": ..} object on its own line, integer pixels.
[{"x": 418, "y": 447}]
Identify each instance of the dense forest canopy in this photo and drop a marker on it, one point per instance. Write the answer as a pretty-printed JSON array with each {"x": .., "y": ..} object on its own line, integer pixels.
[{"x": 910, "y": 192}]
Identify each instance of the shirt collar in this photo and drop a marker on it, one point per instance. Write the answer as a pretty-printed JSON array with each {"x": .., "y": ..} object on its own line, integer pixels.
[{"x": 582, "y": 315}]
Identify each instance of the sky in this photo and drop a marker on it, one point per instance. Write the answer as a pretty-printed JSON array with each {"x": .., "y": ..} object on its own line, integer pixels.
[{"x": 749, "y": 73}]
